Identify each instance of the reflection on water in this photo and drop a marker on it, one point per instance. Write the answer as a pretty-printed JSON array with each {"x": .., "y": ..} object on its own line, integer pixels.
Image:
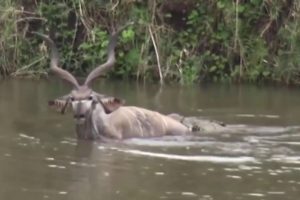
[{"x": 258, "y": 158}]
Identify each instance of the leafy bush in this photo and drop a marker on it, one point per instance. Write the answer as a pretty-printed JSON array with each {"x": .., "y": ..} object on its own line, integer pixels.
[{"x": 185, "y": 41}]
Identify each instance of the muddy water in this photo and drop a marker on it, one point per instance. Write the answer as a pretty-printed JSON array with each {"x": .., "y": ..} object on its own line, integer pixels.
[{"x": 40, "y": 157}]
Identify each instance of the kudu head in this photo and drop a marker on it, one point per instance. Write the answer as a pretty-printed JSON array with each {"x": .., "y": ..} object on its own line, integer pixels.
[{"x": 82, "y": 98}]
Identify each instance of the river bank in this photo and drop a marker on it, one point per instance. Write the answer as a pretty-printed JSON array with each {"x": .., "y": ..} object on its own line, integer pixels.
[{"x": 187, "y": 42}]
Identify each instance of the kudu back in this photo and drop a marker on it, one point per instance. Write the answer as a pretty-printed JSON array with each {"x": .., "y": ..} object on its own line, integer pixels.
[{"x": 98, "y": 116}]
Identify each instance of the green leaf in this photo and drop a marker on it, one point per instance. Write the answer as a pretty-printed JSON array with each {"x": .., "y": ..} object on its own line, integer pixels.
[
  {"x": 266, "y": 73},
  {"x": 128, "y": 35},
  {"x": 220, "y": 4},
  {"x": 212, "y": 68}
]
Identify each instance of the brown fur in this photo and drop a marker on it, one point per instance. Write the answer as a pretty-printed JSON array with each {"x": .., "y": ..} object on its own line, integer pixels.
[{"x": 131, "y": 121}]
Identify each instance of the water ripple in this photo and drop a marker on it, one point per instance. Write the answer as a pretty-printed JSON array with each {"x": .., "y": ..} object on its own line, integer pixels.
[{"x": 197, "y": 158}]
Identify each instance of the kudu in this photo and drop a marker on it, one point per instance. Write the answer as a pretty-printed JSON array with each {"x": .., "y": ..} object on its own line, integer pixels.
[{"x": 100, "y": 117}]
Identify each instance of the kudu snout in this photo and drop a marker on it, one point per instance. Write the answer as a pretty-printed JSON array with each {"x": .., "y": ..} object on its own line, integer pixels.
[
  {"x": 82, "y": 108},
  {"x": 79, "y": 113}
]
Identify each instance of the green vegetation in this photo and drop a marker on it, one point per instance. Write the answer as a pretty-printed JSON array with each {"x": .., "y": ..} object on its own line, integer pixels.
[{"x": 185, "y": 41}]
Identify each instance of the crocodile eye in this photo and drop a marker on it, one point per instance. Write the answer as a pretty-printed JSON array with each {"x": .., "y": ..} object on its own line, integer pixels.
[{"x": 90, "y": 98}]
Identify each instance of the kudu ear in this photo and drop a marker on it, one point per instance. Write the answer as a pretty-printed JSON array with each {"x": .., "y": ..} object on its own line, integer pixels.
[
  {"x": 110, "y": 104},
  {"x": 60, "y": 104}
]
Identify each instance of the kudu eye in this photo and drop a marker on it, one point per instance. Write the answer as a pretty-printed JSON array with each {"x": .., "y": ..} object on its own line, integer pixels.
[
  {"x": 90, "y": 98},
  {"x": 72, "y": 98}
]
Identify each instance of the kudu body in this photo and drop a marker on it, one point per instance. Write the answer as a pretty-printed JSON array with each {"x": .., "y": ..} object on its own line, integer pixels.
[{"x": 98, "y": 116}]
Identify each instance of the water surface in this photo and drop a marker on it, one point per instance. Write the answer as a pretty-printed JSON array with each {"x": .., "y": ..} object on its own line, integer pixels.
[{"x": 40, "y": 157}]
